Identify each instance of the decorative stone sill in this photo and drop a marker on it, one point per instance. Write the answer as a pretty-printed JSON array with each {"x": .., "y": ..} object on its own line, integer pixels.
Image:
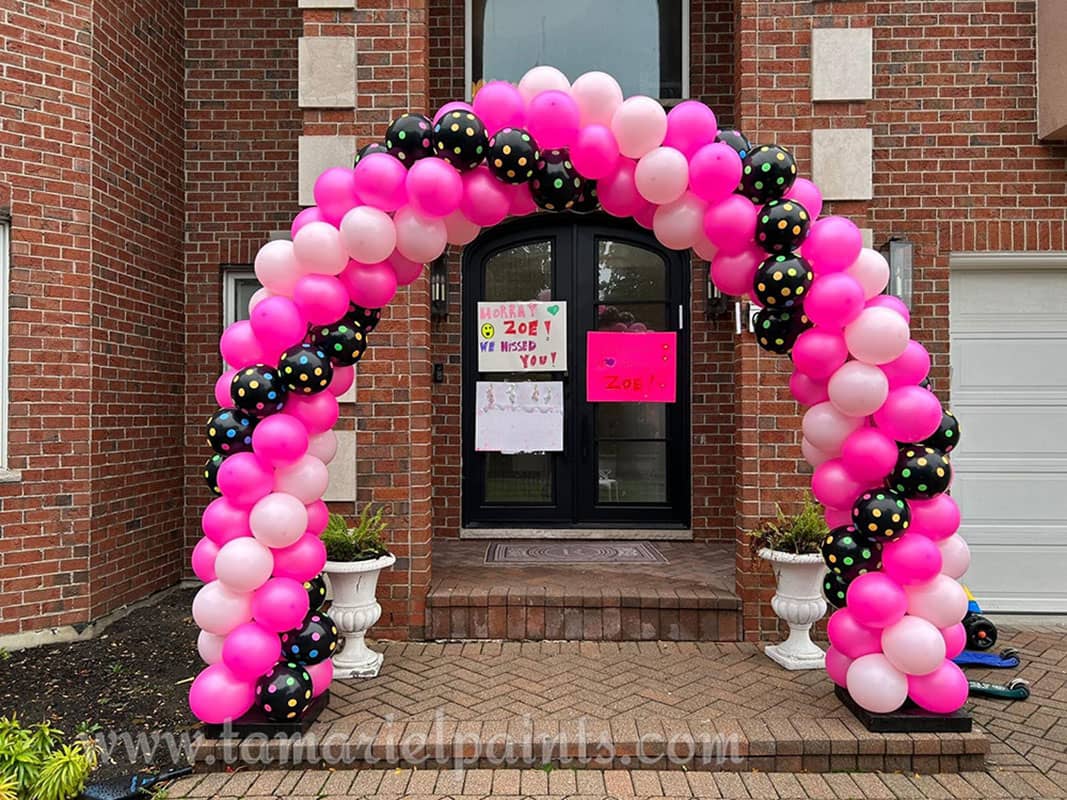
[{"x": 10, "y": 476}]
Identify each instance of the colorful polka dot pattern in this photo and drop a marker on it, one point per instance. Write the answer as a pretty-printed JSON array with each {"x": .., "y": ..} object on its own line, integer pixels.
[
  {"x": 459, "y": 138},
  {"x": 259, "y": 390},
  {"x": 782, "y": 226},
  {"x": 882, "y": 513},
  {"x": 777, "y": 329},
  {"x": 211, "y": 472},
  {"x": 781, "y": 281},
  {"x": 849, "y": 553},
  {"x": 344, "y": 342},
  {"x": 556, "y": 184},
  {"x": 947, "y": 435},
  {"x": 284, "y": 693},
  {"x": 513, "y": 155},
  {"x": 768, "y": 173},
  {"x": 229, "y": 430},
  {"x": 313, "y": 642},
  {"x": 305, "y": 369},
  {"x": 921, "y": 472},
  {"x": 834, "y": 589},
  {"x": 409, "y": 138}
]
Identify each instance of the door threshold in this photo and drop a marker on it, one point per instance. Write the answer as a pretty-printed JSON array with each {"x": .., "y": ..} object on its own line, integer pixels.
[{"x": 622, "y": 534}]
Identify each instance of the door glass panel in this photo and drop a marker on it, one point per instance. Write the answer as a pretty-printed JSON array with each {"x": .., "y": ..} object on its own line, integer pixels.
[
  {"x": 632, "y": 472},
  {"x": 518, "y": 478},
  {"x": 520, "y": 273},
  {"x": 631, "y": 421},
  {"x": 632, "y": 317},
  {"x": 627, "y": 274}
]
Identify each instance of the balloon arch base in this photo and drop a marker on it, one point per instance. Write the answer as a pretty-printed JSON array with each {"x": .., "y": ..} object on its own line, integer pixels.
[
  {"x": 907, "y": 719},
  {"x": 256, "y": 723}
]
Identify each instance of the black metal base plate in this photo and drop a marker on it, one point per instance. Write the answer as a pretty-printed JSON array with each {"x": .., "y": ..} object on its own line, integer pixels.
[
  {"x": 256, "y": 722},
  {"x": 909, "y": 719}
]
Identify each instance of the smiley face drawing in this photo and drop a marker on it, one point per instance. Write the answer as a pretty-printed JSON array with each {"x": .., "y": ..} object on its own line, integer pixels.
[{"x": 488, "y": 331}]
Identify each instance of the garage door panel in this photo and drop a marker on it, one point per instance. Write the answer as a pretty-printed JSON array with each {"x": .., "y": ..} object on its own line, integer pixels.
[
  {"x": 1015, "y": 498},
  {"x": 983, "y": 292},
  {"x": 998, "y": 586},
  {"x": 1018, "y": 366}
]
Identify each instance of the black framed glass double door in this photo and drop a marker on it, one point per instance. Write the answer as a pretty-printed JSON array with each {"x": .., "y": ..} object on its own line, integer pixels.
[{"x": 623, "y": 464}]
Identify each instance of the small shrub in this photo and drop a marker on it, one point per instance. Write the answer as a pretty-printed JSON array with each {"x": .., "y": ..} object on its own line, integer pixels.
[
  {"x": 799, "y": 533},
  {"x": 35, "y": 763},
  {"x": 360, "y": 542}
]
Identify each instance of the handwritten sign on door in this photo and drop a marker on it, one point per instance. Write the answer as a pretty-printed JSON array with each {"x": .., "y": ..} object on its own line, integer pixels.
[
  {"x": 522, "y": 336},
  {"x": 631, "y": 367},
  {"x": 519, "y": 417}
]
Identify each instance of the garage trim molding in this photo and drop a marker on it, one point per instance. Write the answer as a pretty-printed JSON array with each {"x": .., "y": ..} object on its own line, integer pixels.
[{"x": 1008, "y": 260}]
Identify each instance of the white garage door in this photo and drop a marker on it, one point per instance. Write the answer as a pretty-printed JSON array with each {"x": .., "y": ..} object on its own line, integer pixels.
[{"x": 1009, "y": 390}]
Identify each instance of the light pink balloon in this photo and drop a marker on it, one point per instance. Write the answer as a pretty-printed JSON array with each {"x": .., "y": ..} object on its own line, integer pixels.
[
  {"x": 209, "y": 646},
  {"x": 837, "y": 664},
  {"x": 955, "y": 637},
  {"x": 937, "y": 518},
  {"x": 812, "y": 454},
  {"x": 662, "y": 175},
  {"x": 542, "y": 79},
  {"x": 243, "y": 479},
  {"x": 306, "y": 479},
  {"x": 827, "y": 428},
  {"x": 733, "y": 273},
  {"x": 222, "y": 388},
  {"x": 911, "y": 560},
  {"x": 877, "y": 336},
  {"x": 434, "y": 187},
  {"x": 335, "y": 193},
  {"x": 369, "y": 285},
  {"x": 485, "y": 201},
  {"x": 217, "y": 695},
  {"x": 833, "y": 244},
  {"x": 276, "y": 267},
  {"x": 808, "y": 195},
  {"x": 552, "y": 118},
  {"x": 807, "y": 391},
  {"x": 909, "y": 414},
  {"x": 280, "y": 439},
  {"x": 343, "y": 378},
  {"x": 690, "y": 126},
  {"x": 322, "y": 299},
  {"x": 871, "y": 271},
  {"x": 323, "y": 446},
  {"x": 318, "y": 517},
  {"x": 321, "y": 676},
  {"x": 380, "y": 180},
  {"x": 310, "y": 214},
  {"x": 280, "y": 604},
  {"x": 598, "y": 96},
  {"x": 942, "y": 691},
  {"x": 618, "y": 191},
  {"x": 460, "y": 230},
  {"x": 857, "y": 389},
  {"x": 419, "y": 238},
  {"x": 244, "y": 564},
  {"x": 278, "y": 520},
  {"x": 368, "y": 234},
  {"x": 731, "y": 224},
  {"x": 595, "y": 152},
  {"x": 875, "y": 684},
  {"x": 941, "y": 600},
  {"x": 204, "y": 555},
  {"x": 834, "y": 300},
  {"x": 913, "y": 646},
  {"x": 892, "y": 303},
  {"x": 318, "y": 412},
  {"x": 819, "y": 353},
  {"x": 869, "y": 455},
  {"x": 850, "y": 637},
  {"x": 251, "y": 650},
  {"x": 680, "y": 224},
  {"x": 223, "y": 521},
  {"x": 955, "y": 556},
  {"x": 498, "y": 105},
  {"x": 258, "y": 296},
  {"x": 876, "y": 600},
  {"x": 278, "y": 323},
  {"x": 240, "y": 347},
  {"x": 407, "y": 271},
  {"x": 639, "y": 125},
  {"x": 455, "y": 105},
  {"x": 909, "y": 368},
  {"x": 302, "y": 560},
  {"x": 218, "y": 609},
  {"x": 714, "y": 171},
  {"x": 833, "y": 486},
  {"x": 317, "y": 247}
]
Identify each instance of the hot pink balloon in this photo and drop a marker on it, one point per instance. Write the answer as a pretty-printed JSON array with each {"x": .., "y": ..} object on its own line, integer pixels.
[
  {"x": 323, "y": 446},
  {"x": 434, "y": 187},
  {"x": 942, "y": 691},
  {"x": 690, "y": 126},
  {"x": 819, "y": 353},
  {"x": 806, "y": 390},
  {"x": 680, "y": 224},
  {"x": 869, "y": 455},
  {"x": 485, "y": 201},
  {"x": 542, "y": 79},
  {"x": 837, "y": 664},
  {"x": 343, "y": 378},
  {"x": 239, "y": 346},
  {"x": 318, "y": 248},
  {"x": 876, "y": 685},
  {"x": 218, "y": 609},
  {"x": 812, "y": 454},
  {"x": 258, "y": 296},
  {"x": 520, "y": 200},
  {"x": 913, "y": 646},
  {"x": 278, "y": 322},
  {"x": 321, "y": 676},
  {"x": 306, "y": 479},
  {"x": 302, "y": 560},
  {"x": 871, "y": 271},
  {"x": 280, "y": 604},
  {"x": 318, "y": 412},
  {"x": 407, "y": 271},
  {"x": 222, "y": 388},
  {"x": 380, "y": 180},
  {"x": 278, "y": 520},
  {"x": 731, "y": 224},
  {"x": 833, "y": 486},
  {"x": 857, "y": 389},
  {"x": 251, "y": 650},
  {"x": 639, "y": 125},
  {"x": 955, "y": 556},
  {"x": 909, "y": 368},
  {"x": 911, "y": 559},
  {"x": 368, "y": 234},
  {"x": 910, "y": 414},
  {"x": 877, "y": 336},
  {"x": 714, "y": 171},
  {"x": 243, "y": 479},
  {"x": 276, "y": 267},
  {"x": 833, "y": 244},
  {"x": 204, "y": 555},
  {"x": 876, "y": 600},
  {"x": 217, "y": 695},
  {"x": 279, "y": 440},
  {"x": 369, "y": 285},
  {"x": 808, "y": 195},
  {"x": 936, "y": 518},
  {"x": 335, "y": 193},
  {"x": 618, "y": 192},
  {"x": 598, "y": 96},
  {"x": 645, "y": 214},
  {"x": 595, "y": 152},
  {"x": 460, "y": 229},
  {"x": 209, "y": 646},
  {"x": 419, "y": 238},
  {"x": 834, "y": 300},
  {"x": 850, "y": 637},
  {"x": 455, "y": 105},
  {"x": 552, "y": 118},
  {"x": 942, "y": 601},
  {"x": 892, "y": 303},
  {"x": 223, "y": 521},
  {"x": 310, "y": 214},
  {"x": 318, "y": 517},
  {"x": 322, "y": 299},
  {"x": 498, "y": 105},
  {"x": 955, "y": 637},
  {"x": 733, "y": 273},
  {"x": 827, "y": 428},
  {"x": 836, "y": 517}
]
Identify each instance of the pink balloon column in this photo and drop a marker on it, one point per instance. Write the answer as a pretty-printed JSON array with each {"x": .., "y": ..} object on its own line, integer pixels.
[{"x": 878, "y": 439}]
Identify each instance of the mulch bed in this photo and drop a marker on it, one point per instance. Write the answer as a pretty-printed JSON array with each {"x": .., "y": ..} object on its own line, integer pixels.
[{"x": 132, "y": 679}]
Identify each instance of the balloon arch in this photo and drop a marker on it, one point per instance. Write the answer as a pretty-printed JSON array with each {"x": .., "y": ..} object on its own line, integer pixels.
[{"x": 877, "y": 438}]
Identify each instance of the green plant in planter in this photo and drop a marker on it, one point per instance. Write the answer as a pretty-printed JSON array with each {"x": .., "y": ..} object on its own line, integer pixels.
[
  {"x": 360, "y": 542},
  {"x": 799, "y": 533},
  {"x": 36, "y": 764}
]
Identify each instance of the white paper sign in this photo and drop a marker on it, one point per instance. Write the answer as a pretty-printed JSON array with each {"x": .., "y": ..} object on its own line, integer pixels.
[
  {"x": 522, "y": 336},
  {"x": 524, "y": 417}
]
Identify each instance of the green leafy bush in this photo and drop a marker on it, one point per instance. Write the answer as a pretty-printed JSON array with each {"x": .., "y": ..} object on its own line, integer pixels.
[
  {"x": 802, "y": 532},
  {"x": 35, "y": 763},
  {"x": 360, "y": 542}
]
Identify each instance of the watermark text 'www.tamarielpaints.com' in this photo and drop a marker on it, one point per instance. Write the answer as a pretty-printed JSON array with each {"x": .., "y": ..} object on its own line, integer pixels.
[{"x": 442, "y": 742}]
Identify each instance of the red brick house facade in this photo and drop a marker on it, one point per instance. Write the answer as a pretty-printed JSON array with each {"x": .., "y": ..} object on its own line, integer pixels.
[{"x": 147, "y": 148}]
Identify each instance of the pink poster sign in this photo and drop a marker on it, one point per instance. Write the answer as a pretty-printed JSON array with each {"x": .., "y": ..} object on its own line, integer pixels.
[{"x": 631, "y": 367}]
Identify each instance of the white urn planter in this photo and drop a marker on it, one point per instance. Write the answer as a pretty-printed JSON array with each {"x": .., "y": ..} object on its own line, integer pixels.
[
  {"x": 355, "y": 608},
  {"x": 798, "y": 600}
]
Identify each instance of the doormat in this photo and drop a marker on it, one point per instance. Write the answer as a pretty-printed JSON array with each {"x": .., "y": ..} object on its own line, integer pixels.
[{"x": 563, "y": 553}]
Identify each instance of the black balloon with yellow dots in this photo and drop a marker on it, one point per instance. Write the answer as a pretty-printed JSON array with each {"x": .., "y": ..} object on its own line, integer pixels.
[
  {"x": 306, "y": 369},
  {"x": 947, "y": 435},
  {"x": 343, "y": 342},
  {"x": 921, "y": 472},
  {"x": 768, "y": 173},
  {"x": 259, "y": 390},
  {"x": 513, "y": 155},
  {"x": 316, "y": 589},
  {"x": 777, "y": 329},
  {"x": 211, "y": 472},
  {"x": 782, "y": 280},
  {"x": 587, "y": 201},
  {"x": 849, "y": 553},
  {"x": 313, "y": 642},
  {"x": 782, "y": 226},
  {"x": 284, "y": 693},
  {"x": 835, "y": 589},
  {"x": 735, "y": 139},
  {"x": 556, "y": 184},
  {"x": 229, "y": 431},
  {"x": 366, "y": 318},
  {"x": 459, "y": 138},
  {"x": 882, "y": 514},
  {"x": 368, "y": 149},
  {"x": 409, "y": 138}
]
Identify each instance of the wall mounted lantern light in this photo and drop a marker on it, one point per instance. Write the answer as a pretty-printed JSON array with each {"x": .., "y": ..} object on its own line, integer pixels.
[
  {"x": 898, "y": 251},
  {"x": 716, "y": 303},
  {"x": 439, "y": 288}
]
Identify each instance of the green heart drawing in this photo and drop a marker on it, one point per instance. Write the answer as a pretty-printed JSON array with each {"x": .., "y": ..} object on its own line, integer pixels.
[{"x": 553, "y": 310}]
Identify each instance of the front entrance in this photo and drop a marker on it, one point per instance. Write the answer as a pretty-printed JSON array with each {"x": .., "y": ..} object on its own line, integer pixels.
[{"x": 623, "y": 465}]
